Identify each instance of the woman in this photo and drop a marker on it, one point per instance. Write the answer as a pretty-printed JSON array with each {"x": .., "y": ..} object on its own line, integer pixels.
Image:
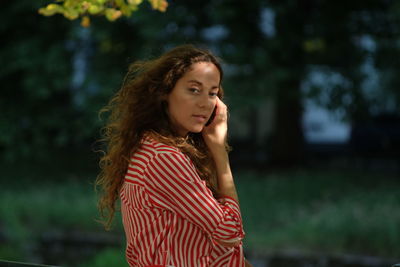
[{"x": 167, "y": 160}]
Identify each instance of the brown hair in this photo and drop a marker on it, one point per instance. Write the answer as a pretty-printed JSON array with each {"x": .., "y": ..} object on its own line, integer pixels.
[{"x": 138, "y": 109}]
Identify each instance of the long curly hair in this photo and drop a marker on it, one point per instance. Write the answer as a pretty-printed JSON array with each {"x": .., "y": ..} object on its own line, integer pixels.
[{"x": 138, "y": 110}]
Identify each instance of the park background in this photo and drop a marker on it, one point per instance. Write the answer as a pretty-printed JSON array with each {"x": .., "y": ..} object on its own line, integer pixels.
[{"x": 313, "y": 92}]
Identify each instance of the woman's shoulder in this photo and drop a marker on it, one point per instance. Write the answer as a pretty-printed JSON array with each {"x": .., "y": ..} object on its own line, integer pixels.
[
  {"x": 159, "y": 147},
  {"x": 162, "y": 152}
]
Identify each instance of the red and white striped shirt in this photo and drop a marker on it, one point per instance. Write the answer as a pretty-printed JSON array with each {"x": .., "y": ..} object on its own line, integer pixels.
[{"x": 169, "y": 213}]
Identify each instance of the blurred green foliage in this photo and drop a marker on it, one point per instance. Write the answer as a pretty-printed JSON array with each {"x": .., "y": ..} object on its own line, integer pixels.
[
  {"x": 111, "y": 9},
  {"x": 108, "y": 257},
  {"x": 319, "y": 212},
  {"x": 309, "y": 211},
  {"x": 34, "y": 77},
  {"x": 57, "y": 75}
]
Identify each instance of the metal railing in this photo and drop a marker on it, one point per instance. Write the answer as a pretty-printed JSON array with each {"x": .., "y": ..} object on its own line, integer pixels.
[{"x": 5, "y": 263}]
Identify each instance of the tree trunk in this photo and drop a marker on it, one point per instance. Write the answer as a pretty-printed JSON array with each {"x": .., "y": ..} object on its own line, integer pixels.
[{"x": 287, "y": 143}]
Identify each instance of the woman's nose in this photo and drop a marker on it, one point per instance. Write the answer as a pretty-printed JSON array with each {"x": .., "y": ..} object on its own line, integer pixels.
[{"x": 205, "y": 101}]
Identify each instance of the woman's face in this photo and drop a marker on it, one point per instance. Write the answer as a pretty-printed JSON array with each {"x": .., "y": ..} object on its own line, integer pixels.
[{"x": 193, "y": 98}]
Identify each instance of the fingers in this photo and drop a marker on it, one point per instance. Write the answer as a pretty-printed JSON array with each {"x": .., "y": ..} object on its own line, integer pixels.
[
  {"x": 221, "y": 107},
  {"x": 220, "y": 115}
]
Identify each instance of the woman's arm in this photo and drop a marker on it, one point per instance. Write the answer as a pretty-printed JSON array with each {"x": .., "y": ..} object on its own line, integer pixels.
[
  {"x": 226, "y": 184},
  {"x": 173, "y": 184},
  {"x": 215, "y": 137}
]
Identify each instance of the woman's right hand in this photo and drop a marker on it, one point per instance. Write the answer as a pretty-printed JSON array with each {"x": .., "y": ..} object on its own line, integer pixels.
[{"x": 216, "y": 132}]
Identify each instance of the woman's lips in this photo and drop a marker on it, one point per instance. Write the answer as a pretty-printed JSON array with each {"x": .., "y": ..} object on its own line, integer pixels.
[{"x": 200, "y": 118}]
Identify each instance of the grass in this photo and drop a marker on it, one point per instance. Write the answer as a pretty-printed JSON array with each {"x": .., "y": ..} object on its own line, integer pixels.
[
  {"x": 320, "y": 212},
  {"x": 106, "y": 258},
  {"x": 305, "y": 210}
]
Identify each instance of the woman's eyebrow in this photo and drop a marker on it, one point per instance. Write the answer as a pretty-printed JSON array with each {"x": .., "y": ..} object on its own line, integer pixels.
[
  {"x": 194, "y": 81},
  {"x": 200, "y": 84}
]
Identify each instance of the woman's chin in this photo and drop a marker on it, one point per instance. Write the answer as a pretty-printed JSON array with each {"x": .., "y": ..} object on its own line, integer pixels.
[{"x": 197, "y": 129}]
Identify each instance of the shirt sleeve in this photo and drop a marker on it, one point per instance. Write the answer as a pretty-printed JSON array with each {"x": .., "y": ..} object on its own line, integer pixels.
[{"x": 174, "y": 184}]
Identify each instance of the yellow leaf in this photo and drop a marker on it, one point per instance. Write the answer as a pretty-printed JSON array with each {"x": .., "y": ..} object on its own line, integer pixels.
[
  {"x": 86, "y": 5},
  {"x": 53, "y": 7},
  {"x": 71, "y": 13},
  {"x": 70, "y": 3},
  {"x": 123, "y": 7},
  {"x": 120, "y": 3},
  {"x": 160, "y": 5},
  {"x": 126, "y": 10},
  {"x": 111, "y": 9},
  {"x": 133, "y": 8},
  {"x": 135, "y": 2},
  {"x": 112, "y": 14},
  {"x": 85, "y": 22},
  {"x": 50, "y": 10},
  {"x": 95, "y": 9}
]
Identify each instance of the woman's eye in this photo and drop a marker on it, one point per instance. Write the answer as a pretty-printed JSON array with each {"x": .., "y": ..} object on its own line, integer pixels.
[
  {"x": 213, "y": 94},
  {"x": 194, "y": 90}
]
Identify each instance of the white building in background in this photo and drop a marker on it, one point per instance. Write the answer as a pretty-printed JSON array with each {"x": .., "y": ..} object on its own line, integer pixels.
[{"x": 322, "y": 126}]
